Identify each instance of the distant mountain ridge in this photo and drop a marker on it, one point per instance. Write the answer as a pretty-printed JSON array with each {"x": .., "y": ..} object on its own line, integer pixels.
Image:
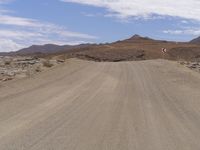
[
  {"x": 47, "y": 48},
  {"x": 138, "y": 37},
  {"x": 196, "y": 41},
  {"x": 141, "y": 48},
  {"x": 133, "y": 48}
]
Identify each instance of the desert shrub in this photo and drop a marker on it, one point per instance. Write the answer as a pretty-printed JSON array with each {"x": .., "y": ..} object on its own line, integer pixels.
[
  {"x": 38, "y": 69},
  {"x": 47, "y": 63},
  {"x": 7, "y": 62}
]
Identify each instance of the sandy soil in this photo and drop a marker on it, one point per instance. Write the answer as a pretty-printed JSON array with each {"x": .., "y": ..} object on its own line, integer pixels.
[{"x": 148, "y": 105}]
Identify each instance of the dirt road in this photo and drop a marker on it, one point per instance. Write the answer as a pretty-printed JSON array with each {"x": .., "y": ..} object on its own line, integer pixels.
[{"x": 149, "y": 105}]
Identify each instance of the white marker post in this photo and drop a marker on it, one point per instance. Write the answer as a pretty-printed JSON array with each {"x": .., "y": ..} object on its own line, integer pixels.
[{"x": 164, "y": 51}]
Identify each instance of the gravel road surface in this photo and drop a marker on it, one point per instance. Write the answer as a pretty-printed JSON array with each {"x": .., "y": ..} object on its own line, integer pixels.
[{"x": 82, "y": 105}]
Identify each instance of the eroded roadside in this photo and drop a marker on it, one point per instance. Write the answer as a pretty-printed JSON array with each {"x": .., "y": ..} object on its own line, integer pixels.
[
  {"x": 17, "y": 67},
  {"x": 195, "y": 65}
]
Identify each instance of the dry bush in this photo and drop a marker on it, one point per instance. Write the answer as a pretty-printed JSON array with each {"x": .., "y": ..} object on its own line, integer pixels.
[
  {"x": 38, "y": 69},
  {"x": 7, "y": 62},
  {"x": 47, "y": 64}
]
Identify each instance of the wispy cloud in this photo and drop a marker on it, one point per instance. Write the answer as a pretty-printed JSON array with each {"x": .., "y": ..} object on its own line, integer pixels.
[
  {"x": 188, "y": 9},
  {"x": 185, "y": 12},
  {"x": 18, "y": 32},
  {"x": 189, "y": 31},
  {"x": 12, "y": 20},
  {"x": 185, "y": 28},
  {"x": 9, "y": 45},
  {"x": 5, "y": 1}
]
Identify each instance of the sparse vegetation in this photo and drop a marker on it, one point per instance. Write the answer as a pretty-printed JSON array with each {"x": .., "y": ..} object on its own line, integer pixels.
[
  {"x": 47, "y": 64},
  {"x": 38, "y": 69},
  {"x": 24, "y": 66},
  {"x": 7, "y": 62}
]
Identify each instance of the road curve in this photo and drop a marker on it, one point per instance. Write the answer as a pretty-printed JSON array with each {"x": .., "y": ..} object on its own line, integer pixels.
[{"x": 147, "y": 105}]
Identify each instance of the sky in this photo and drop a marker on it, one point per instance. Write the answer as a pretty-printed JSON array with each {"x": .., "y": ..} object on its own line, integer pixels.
[{"x": 35, "y": 22}]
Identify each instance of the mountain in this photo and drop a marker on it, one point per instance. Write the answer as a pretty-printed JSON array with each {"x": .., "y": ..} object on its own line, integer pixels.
[
  {"x": 137, "y": 37},
  {"x": 133, "y": 48},
  {"x": 196, "y": 41},
  {"x": 141, "y": 48},
  {"x": 46, "y": 49}
]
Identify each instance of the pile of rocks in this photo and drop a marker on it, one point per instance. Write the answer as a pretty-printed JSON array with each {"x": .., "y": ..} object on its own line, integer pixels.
[
  {"x": 18, "y": 67},
  {"x": 192, "y": 65}
]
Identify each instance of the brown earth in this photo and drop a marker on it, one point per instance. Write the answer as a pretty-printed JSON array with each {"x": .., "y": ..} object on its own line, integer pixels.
[{"x": 140, "y": 48}]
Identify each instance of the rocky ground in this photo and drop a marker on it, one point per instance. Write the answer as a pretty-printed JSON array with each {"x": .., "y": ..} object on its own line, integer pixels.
[
  {"x": 20, "y": 67},
  {"x": 15, "y": 67},
  {"x": 192, "y": 65}
]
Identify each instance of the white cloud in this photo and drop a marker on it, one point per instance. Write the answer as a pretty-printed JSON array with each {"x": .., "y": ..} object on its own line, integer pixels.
[
  {"x": 5, "y": 1},
  {"x": 9, "y": 45},
  {"x": 189, "y": 9},
  {"x": 11, "y": 20},
  {"x": 42, "y": 27},
  {"x": 89, "y": 14},
  {"x": 98, "y": 14},
  {"x": 19, "y": 32},
  {"x": 184, "y": 22},
  {"x": 12, "y": 39},
  {"x": 189, "y": 31}
]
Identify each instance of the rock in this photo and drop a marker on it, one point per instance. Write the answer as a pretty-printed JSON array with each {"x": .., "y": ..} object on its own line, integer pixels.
[
  {"x": 195, "y": 63},
  {"x": 53, "y": 62},
  {"x": 47, "y": 64},
  {"x": 38, "y": 69},
  {"x": 192, "y": 66},
  {"x": 60, "y": 60},
  {"x": 7, "y": 79},
  {"x": 22, "y": 66}
]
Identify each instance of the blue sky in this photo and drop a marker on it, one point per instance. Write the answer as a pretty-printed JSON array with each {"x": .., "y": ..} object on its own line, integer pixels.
[{"x": 27, "y": 22}]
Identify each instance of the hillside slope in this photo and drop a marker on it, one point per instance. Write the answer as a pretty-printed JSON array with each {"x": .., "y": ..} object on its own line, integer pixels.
[
  {"x": 195, "y": 41},
  {"x": 140, "y": 48}
]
